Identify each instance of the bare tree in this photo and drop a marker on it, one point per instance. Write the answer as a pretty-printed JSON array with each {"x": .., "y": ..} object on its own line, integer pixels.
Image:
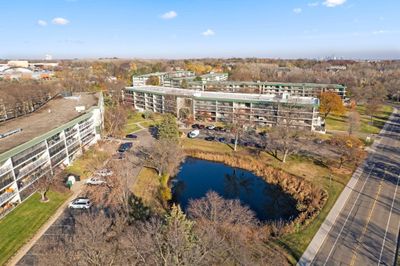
[
  {"x": 214, "y": 208},
  {"x": 164, "y": 156},
  {"x": 43, "y": 186},
  {"x": 285, "y": 135}
]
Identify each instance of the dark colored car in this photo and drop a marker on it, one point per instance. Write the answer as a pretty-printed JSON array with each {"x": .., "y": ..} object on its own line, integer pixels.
[
  {"x": 131, "y": 136},
  {"x": 202, "y": 126},
  {"x": 195, "y": 126},
  {"x": 218, "y": 128},
  {"x": 259, "y": 146},
  {"x": 221, "y": 139},
  {"x": 125, "y": 146},
  {"x": 209, "y": 138}
]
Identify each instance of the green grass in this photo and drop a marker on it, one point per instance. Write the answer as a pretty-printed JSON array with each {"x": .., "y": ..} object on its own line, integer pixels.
[
  {"x": 340, "y": 123},
  {"x": 135, "y": 118},
  {"x": 131, "y": 128},
  {"x": 22, "y": 223}
]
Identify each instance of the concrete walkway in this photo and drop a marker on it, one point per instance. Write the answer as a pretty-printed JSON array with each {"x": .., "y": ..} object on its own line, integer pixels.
[
  {"x": 76, "y": 190},
  {"x": 310, "y": 253}
]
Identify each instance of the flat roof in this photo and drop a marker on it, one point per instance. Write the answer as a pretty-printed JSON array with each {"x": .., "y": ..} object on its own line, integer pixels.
[
  {"x": 53, "y": 114},
  {"x": 313, "y": 85},
  {"x": 227, "y": 96}
]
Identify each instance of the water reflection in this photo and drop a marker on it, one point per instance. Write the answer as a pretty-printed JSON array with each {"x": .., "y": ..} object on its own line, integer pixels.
[{"x": 197, "y": 177}]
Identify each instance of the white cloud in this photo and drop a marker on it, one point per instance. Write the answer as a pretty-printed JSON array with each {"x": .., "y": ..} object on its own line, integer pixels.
[
  {"x": 169, "y": 15},
  {"x": 313, "y": 4},
  {"x": 42, "y": 23},
  {"x": 297, "y": 10},
  {"x": 333, "y": 3},
  {"x": 208, "y": 32},
  {"x": 60, "y": 21}
]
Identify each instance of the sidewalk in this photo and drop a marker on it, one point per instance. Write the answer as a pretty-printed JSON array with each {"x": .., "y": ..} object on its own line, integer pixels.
[
  {"x": 309, "y": 254},
  {"x": 76, "y": 190}
]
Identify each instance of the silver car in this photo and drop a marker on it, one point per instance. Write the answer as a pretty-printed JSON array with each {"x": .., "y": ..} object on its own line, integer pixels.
[{"x": 80, "y": 203}]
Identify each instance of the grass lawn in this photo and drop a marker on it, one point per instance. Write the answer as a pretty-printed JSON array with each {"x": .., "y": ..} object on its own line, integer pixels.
[
  {"x": 22, "y": 223},
  {"x": 135, "y": 118},
  {"x": 207, "y": 146},
  {"x": 146, "y": 187},
  {"x": 82, "y": 165},
  {"x": 131, "y": 128},
  {"x": 340, "y": 123},
  {"x": 307, "y": 168}
]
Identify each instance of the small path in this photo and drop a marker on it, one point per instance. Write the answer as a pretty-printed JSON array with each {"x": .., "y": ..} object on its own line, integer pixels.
[{"x": 76, "y": 190}]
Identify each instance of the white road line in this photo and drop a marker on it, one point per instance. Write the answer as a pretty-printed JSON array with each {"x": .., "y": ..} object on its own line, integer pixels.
[
  {"x": 387, "y": 224},
  {"x": 348, "y": 216}
]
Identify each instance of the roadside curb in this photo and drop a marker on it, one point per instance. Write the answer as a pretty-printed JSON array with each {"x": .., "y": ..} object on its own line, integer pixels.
[{"x": 309, "y": 254}]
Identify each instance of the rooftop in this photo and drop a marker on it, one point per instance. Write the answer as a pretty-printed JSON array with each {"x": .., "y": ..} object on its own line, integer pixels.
[
  {"x": 50, "y": 116},
  {"x": 267, "y": 83},
  {"x": 226, "y": 95}
]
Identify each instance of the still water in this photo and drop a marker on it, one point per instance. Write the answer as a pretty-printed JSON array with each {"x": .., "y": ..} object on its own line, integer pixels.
[{"x": 197, "y": 177}]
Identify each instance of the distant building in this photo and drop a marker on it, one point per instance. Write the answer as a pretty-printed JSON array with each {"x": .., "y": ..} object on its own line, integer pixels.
[
  {"x": 260, "y": 109},
  {"x": 214, "y": 77},
  {"x": 164, "y": 77},
  {"x": 18, "y": 63},
  {"x": 25, "y": 70},
  {"x": 278, "y": 88},
  {"x": 336, "y": 68},
  {"x": 38, "y": 145}
]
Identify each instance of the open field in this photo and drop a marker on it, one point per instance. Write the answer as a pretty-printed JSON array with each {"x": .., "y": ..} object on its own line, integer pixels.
[
  {"x": 340, "y": 123},
  {"x": 23, "y": 222}
]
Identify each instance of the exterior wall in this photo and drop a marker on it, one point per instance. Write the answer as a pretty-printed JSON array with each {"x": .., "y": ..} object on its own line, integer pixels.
[
  {"x": 56, "y": 149},
  {"x": 262, "y": 113},
  {"x": 304, "y": 90}
]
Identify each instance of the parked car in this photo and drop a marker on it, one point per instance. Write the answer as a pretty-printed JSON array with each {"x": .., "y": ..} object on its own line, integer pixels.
[
  {"x": 80, "y": 203},
  {"x": 195, "y": 126},
  {"x": 209, "y": 138},
  {"x": 95, "y": 181},
  {"x": 125, "y": 146},
  {"x": 131, "y": 136},
  {"x": 104, "y": 172},
  {"x": 221, "y": 129},
  {"x": 193, "y": 134},
  {"x": 211, "y": 127},
  {"x": 221, "y": 139}
]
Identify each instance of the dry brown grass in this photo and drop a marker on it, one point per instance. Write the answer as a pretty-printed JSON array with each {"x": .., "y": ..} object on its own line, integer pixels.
[
  {"x": 147, "y": 187},
  {"x": 305, "y": 192}
]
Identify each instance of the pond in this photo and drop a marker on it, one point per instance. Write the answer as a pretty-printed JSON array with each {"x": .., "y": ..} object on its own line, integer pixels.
[{"x": 197, "y": 177}]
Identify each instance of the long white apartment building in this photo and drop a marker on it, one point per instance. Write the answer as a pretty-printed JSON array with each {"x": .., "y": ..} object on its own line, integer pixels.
[
  {"x": 39, "y": 144},
  {"x": 296, "y": 89},
  {"x": 259, "y": 109}
]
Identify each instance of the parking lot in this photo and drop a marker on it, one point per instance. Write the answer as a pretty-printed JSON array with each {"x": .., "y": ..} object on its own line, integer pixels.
[{"x": 223, "y": 135}]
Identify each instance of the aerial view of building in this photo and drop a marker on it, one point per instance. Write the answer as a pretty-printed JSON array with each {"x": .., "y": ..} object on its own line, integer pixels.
[
  {"x": 38, "y": 144},
  {"x": 200, "y": 133},
  {"x": 298, "y": 89},
  {"x": 260, "y": 109}
]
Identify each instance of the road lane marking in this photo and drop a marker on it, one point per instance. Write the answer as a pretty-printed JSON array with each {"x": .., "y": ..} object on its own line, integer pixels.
[
  {"x": 358, "y": 242},
  {"x": 348, "y": 216},
  {"x": 387, "y": 224}
]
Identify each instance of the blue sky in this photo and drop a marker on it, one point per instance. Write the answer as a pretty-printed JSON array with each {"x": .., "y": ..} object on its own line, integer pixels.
[{"x": 199, "y": 28}]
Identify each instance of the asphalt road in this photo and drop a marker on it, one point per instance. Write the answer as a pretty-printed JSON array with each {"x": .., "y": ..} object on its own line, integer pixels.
[{"x": 366, "y": 230}]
